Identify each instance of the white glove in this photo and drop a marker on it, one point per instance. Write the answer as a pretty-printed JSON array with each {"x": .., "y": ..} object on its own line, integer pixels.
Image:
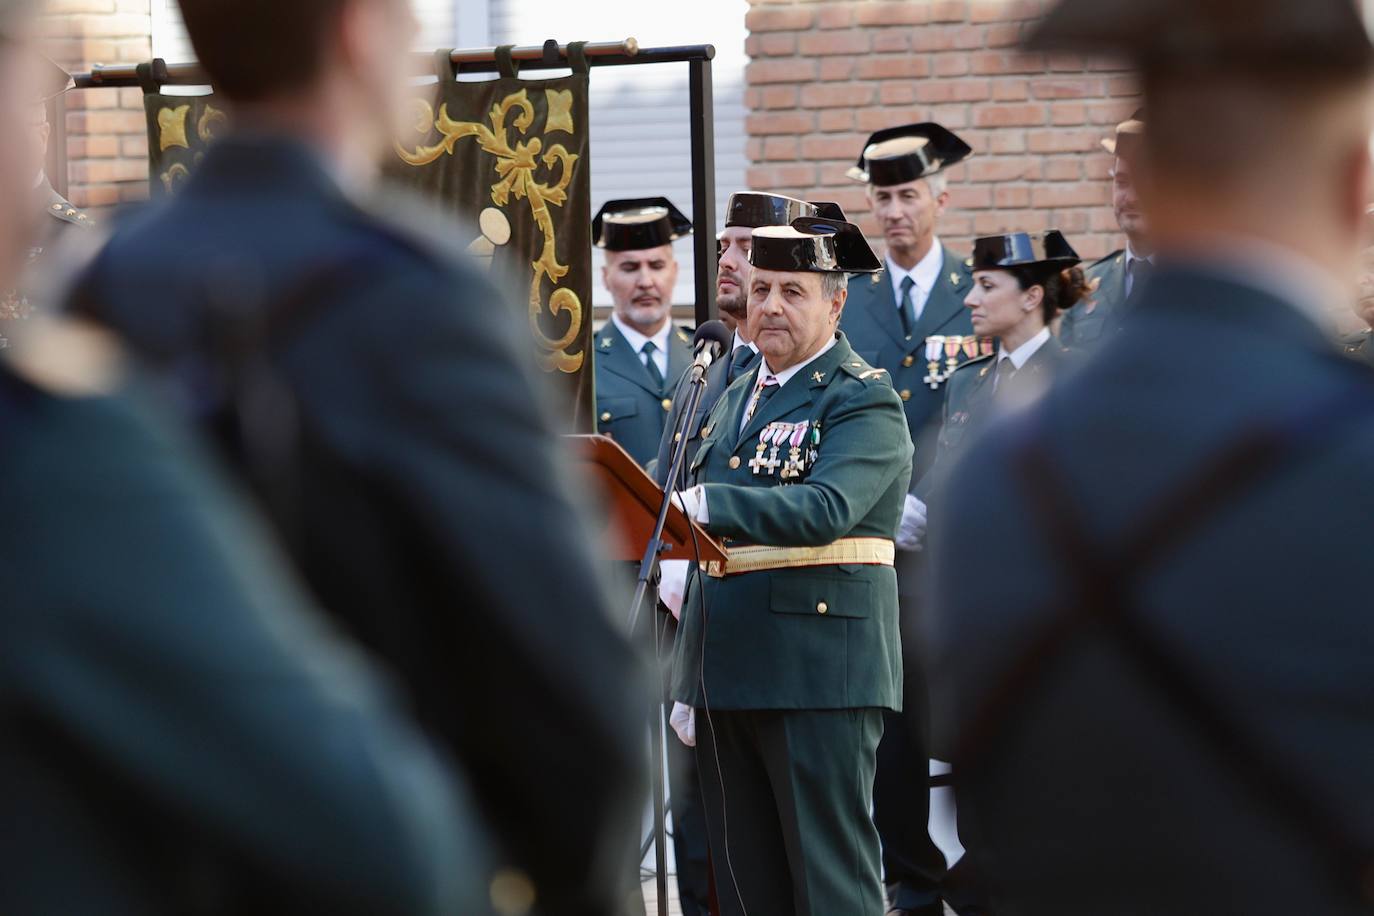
[
  {"x": 693, "y": 504},
  {"x": 673, "y": 584},
  {"x": 912, "y": 531},
  {"x": 683, "y": 719}
]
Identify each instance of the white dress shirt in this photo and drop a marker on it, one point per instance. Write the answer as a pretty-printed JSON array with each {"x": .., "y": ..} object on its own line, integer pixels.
[
  {"x": 1131, "y": 258},
  {"x": 1021, "y": 355},
  {"x": 637, "y": 340},
  {"x": 737, "y": 343},
  {"x": 925, "y": 275}
]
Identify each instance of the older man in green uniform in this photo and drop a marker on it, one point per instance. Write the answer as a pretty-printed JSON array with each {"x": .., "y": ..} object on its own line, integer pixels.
[
  {"x": 789, "y": 651},
  {"x": 640, "y": 355},
  {"x": 1116, "y": 277}
]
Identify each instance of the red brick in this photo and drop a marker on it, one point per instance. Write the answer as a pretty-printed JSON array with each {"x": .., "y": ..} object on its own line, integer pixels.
[
  {"x": 837, "y": 95},
  {"x": 771, "y": 44},
  {"x": 1063, "y": 169},
  {"x": 1068, "y": 114},
  {"x": 784, "y": 148},
  {"x": 1062, "y": 141},
  {"x": 836, "y": 68},
  {"x": 1065, "y": 88},
  {"x": 970, "y": 196},
  {"x": 1009, "y": 115},
  {"x": 877, "y": 68},
  {"x": 1010, "y": 90},
  {"x": 885, "y": 42},
  {"x": 790, "y": 70},
  {"x": 897, "y": 93},
  {"x": 951, "y": 65},
  {"x": 833, "y": 146},
  {"x": 1053, "y": 195},
  {"x": 1011, "y": 197},
  {"x": 948, "y": 10},
  {"x": 984, "y": 168},
  {"x": 936, "y": 91},
  {"x": 782, "y": 122},
  {"x": 888, "y": 12},
  {"x": 855, "y": 41},
  {"x": 832, "y": 119},
  {"x": 775, "y": 96},
  {"x": 836, "y": 16},
  {"x": 785, "y": 19},
  {"x": 797, "y": 175}
]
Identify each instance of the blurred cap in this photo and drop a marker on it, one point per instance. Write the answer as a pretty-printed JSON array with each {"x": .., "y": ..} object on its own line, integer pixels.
[
  {"x": 813, "y": 244},
  {"x": 897, "y": 155},
  {"x": 639, "y": 224},
  {"x": 1021, "y": 249},
  {"x": 1127, "y": 133},
  {"x": 1214, "y": 35}
]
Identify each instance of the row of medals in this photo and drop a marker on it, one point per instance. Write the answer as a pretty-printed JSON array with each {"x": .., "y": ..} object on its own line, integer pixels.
[
  {"x": 943, "y": 355},
  {"x": 801, "y": 441}
]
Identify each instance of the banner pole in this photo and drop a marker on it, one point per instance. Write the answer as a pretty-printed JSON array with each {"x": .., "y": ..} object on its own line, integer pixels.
[{"x": 703, "y": 119}]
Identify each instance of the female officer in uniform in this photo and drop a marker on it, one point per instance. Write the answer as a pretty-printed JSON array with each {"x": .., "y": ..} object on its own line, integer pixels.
[{"x": 1020, "y": 283}]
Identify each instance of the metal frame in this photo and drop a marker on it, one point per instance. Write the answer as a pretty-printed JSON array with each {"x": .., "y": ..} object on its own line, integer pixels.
[{"x": 549, "y": 56}]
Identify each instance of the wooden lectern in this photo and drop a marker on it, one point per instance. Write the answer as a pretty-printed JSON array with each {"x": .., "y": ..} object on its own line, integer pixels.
[{"x": 635, "y": 499}]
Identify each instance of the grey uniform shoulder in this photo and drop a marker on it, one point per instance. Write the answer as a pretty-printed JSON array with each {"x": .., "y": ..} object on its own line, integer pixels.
[
  {"x": 1102, "y": 265},
  {"x": 61, "y": 209}
]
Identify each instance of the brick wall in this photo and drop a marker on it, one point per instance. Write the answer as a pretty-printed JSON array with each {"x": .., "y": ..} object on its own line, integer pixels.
[
  {"x": 824, "y": 74},
  {"x": 107, "y": 147}
]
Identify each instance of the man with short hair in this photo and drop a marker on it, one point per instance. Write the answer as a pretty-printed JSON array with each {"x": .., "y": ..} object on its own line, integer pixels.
[
  {"x": 1155, "y": 707},
  {"x": 901, "y": 320},
  {"x": 375, "y": 391},
  {"x": 789, "y": 651},
  {"x": 1115, "y": 279},
  {"x": 639, "y": 354}
]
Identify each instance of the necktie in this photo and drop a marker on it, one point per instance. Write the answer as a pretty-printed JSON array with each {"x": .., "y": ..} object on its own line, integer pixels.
[
  {"x": 765, "y": 389},
  {"x": 649, "y": 349},
  {"x": 740, "y": 362},
  {"x": 1140, "y": 274},
  {"x": 908, "y": 308},
  {"x": 1006, "y": 369}
]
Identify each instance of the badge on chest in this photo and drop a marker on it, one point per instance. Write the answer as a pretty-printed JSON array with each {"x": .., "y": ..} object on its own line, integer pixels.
[{"x": 786, "y": 450}]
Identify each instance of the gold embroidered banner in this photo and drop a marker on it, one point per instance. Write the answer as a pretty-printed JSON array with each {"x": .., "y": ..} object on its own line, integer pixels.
[
  {"x": 510, "y": 156},
  {"x": 180, "y": 127}
]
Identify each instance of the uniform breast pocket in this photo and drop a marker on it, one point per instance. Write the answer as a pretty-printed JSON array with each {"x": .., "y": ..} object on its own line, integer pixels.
[
  {"x": 821, "y": 595},
  {"x": 611, "y": 410}
]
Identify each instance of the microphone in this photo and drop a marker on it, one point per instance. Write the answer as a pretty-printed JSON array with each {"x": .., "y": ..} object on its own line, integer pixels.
[{"x": 712, "y": 339}]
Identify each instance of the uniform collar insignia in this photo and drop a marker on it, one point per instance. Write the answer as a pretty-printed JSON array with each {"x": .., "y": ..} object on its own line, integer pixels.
[{"x": 818, "y": 376}]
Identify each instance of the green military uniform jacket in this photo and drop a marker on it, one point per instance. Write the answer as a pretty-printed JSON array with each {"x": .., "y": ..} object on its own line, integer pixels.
[
  {"x": 972, "y": 400},
  {"x": 800, "y": 638},
  {"x": 1358, "y": 347},
  {"x": 630, "y": 407},
  {"x": 61, "y": 217},
  {"x": 1086, "y": 324},
  {"x": 874, "y": 328}
]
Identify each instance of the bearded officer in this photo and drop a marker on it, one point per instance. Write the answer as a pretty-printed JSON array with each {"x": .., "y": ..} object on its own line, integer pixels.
[
  {"x": 640, "y": 355},
  {"x": 901, "y": 321},
  {"x": 1115, "y": 278},
  {"x": 790, "y": 650}
]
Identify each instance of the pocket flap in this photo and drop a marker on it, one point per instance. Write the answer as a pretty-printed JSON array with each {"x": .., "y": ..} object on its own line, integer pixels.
[
  {"x": 821, "y": 595},
  {"x": 608, "y": 409}
]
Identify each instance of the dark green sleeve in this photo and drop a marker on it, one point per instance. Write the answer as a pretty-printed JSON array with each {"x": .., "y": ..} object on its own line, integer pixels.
[
  {"x": 150, "y": 624},
  {"x": 864, "y": 447}
]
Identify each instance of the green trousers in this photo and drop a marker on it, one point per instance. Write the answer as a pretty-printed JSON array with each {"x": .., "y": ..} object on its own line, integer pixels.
[{"x": 789, "y": 799}]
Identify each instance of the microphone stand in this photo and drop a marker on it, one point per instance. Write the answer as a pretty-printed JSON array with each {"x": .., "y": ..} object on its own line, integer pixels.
[{"x": 648, "y": 566}]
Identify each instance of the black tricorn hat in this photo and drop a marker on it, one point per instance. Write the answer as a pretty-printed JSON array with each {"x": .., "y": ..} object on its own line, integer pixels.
[
  {"x": 1127, "y": 132},
  {"x": 897, "y": 155},
  {"x": 813, "y": 244},
  {"x": 751, "y": 209},
  {"x": 1215, "y": 35},
  {"x": 638, "y": 224},
  {"x": 1021, "y": 249}
]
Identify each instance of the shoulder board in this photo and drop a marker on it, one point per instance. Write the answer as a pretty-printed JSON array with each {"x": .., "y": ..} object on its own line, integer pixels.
[
  {"x": 66, "y": 358},
  {"x": 859, "y": 369},
  {"x": 982, "y": 358},
  {"x": 684, "y": 335},
  {"x": 1103, "y": 262}
]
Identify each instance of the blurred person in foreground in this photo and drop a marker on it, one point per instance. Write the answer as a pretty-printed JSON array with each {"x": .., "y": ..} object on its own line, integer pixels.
[
  {"x": 1161, "y": 703},
  {"x": 180, "y": 735},
  {"x": 1357, "y": 343},
  {"x": 373, "y": 389}
]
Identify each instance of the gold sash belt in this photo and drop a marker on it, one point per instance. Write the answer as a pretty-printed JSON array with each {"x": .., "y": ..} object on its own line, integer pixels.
[{"x": 845, "y": 551}]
